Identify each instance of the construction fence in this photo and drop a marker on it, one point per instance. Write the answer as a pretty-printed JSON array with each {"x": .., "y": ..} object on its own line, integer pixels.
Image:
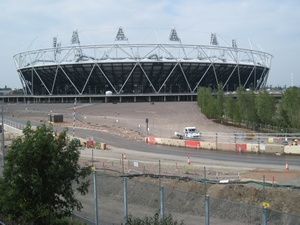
[{"x": 115, "y": 199}]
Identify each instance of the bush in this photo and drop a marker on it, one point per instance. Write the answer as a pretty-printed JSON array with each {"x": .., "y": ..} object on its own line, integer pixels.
[{"x": 155, "y": 220}]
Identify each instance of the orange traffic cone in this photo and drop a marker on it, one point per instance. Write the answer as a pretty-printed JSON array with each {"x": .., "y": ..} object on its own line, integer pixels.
[
  {"x": 286, "y": 165},
  {"x": 188, "y": 162},
  {"x": 124, "y": 156}
]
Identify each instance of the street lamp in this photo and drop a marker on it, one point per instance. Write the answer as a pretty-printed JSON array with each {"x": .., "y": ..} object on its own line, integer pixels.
[
  {"x": 154, "y": 112},
  {"x": 147, "y": 129}
]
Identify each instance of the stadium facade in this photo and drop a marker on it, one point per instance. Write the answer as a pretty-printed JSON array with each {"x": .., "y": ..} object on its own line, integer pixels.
[{"x": 124, "y": 68}]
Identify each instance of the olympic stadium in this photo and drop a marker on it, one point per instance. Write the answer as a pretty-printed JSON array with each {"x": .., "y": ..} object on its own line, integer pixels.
[{"x": 122, "y": 67}]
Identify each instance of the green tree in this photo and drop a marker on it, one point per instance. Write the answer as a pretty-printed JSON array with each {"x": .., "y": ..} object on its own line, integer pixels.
[
  {"x": 239, "y": 109},
  {"x": 40, "y": 168},
  {"x": 219, "y": 102},
  {"x": 266, "y": 107},
  {"x": 229, "y": 106},
  {"x": 206, "y": 101},
  {"x": 252, "y": 110},
  {"x": 245, "y": 106},
  {"x": 290, "y": 107}
]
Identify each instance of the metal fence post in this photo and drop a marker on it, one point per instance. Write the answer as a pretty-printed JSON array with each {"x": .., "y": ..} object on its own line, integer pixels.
[
  {"x": 263, "y": 192},
  {"x": 264, "y": 216},
  {"x": 206, "y": 209},
  {"x": 161, "y": 194},
  {"x": 125, "y": 200},
  {"x": 162, "y": 205},
  {"x": 258, "y": 145},
  {"x": 216, "y": 141},
  {"x": 92, "y": 156},
  {"x": 95, "y": 197},
  {"x": 205, "y": 188}
]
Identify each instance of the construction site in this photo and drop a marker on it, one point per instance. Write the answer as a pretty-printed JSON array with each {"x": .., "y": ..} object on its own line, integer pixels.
[{"x": 238, "y": 193}]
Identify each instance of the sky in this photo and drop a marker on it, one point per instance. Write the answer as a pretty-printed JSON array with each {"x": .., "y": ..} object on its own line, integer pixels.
[{"x": 268, "y": 25}]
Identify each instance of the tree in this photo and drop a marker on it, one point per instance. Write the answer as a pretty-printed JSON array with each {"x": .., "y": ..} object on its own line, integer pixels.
[
  {"x": 229, "y": 106},
  {"x": 207, "y": 102},
  {"x": 40, "y": 168},
  {"x": 245, "y": 106},
  {"x": 266, "y": 107},
  {"x": 240, "y": 103},
  {"x": 219, "y": 102},
  {"x": 290, "y": 106}
]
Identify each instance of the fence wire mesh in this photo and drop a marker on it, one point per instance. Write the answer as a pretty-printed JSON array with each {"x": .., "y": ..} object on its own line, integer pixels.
[{"x": 144, "y": 199}]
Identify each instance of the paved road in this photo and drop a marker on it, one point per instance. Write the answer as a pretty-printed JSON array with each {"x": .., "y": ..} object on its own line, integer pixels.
[
  {"x": 143, "y": 151},
  {"x": 206, "y": 157}
]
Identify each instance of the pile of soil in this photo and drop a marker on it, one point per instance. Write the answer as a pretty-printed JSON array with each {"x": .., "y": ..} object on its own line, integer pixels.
[{"x": 284, "y": 199}]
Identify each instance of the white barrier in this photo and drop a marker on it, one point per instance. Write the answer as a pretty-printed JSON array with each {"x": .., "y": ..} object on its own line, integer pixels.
[
  {"x": 292, "y": 149},
  {"x": 12, "y": 129},
  {"x": 208, "y": 145}
]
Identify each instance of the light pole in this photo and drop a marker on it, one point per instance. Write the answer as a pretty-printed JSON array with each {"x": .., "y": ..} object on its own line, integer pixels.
[
  {"x": 153, "y": 118},
  {"x": 147, "y": 121}
]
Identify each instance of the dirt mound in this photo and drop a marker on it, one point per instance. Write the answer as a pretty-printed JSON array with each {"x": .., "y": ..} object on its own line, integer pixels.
[{"x": 281, "y": 199}]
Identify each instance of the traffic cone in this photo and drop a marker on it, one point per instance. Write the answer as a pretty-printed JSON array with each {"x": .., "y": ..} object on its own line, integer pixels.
[
  {"x": 124, "y": 156},
  {"x": 188, "y": 162},
  {"x": 286, "y": 165}
]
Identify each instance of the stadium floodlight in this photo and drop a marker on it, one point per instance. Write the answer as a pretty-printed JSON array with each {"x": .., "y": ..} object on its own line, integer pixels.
[
  {"x": 174, "y": 36},
  {"x": 54, "y": 42},
  {"x": 58, "y": 48},
  {"x": 234, "y": 45},
  {"x": 75, "y": 38},
  {"x": 213, "y": 39},
  {"x": 120, "y": 35}
]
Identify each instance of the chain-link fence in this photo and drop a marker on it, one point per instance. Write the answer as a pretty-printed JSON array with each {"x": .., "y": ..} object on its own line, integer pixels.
[{"x": 121, "y": 197}]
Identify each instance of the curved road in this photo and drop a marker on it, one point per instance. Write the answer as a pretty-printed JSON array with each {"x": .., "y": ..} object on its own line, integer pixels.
[
  {"x": 227, "y": 158},
  {"x": 207, "y": 157}
]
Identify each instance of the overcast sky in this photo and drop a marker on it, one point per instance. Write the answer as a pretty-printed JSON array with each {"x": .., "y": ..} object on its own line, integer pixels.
[{"x": 271, "y": 24}]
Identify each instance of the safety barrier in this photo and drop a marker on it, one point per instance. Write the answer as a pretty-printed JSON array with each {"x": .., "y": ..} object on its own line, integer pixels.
[
  {"x": 240, "y": 147},
  {"x": 292, "y": 149},
  {"x": 226, "y": 146},
  {"x": 208, "y": 145},
  {"x": 150, "y": 140},
  {"x": 274, "y": 148},
  {"x": 192, "y": 144},
  {"x": 12, "y": 129},
  {"x": 100, "y": 145},
  {"x": 253, "y": 148}
]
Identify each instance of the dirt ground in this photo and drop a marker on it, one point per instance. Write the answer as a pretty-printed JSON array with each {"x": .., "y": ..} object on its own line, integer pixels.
[{"x": 128, "y": 120}]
